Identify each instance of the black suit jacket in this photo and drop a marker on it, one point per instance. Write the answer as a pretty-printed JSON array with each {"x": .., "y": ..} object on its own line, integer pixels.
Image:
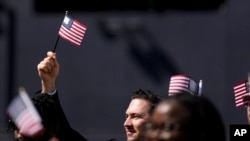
[{"x": 54, "y": 118}]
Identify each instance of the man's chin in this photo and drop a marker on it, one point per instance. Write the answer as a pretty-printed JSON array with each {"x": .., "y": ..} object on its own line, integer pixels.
[{"x": 131, "y": 138}]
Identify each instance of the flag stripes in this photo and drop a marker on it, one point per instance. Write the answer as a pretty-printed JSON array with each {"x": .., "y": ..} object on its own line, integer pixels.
[
  {"x": 180, "y": 83},
  {"x": 24, "y": 115},
  {"x": 72, "y": 30},
  {"x": 240, "y": 90}
]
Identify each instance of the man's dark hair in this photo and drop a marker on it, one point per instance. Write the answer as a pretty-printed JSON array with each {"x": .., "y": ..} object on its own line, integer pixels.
[
  {"x": 148, "y": 95},
  {"x": 47, "y": 108}
]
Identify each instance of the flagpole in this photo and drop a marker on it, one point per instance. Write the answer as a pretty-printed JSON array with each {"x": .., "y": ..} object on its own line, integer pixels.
[
  {"x": 200, "y": 88},
  {"x": 248, "y": 76},
  {"x": 54, "y": 50},
  {"x": 58, "y": 37}
]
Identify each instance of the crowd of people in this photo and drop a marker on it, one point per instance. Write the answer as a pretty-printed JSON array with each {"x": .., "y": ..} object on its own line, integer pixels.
[{"x": 149, "y": 117}]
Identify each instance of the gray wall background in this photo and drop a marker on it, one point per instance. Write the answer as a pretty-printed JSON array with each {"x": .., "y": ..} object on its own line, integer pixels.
[{"x": 96, "y": 79}]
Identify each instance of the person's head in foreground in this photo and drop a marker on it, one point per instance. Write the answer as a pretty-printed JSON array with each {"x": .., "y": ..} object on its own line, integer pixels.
[
  {"x": 138, "y": 114},
  {"x": 55, "y": 126},
  {"x": 185, "y": 117}
]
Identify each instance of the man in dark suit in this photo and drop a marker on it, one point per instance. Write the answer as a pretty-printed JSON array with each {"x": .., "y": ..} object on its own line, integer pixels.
[{"x": 46, "y": 101}]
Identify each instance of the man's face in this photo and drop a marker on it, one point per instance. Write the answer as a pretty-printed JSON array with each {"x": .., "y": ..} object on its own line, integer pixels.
[{"x": 137, "y": 115}]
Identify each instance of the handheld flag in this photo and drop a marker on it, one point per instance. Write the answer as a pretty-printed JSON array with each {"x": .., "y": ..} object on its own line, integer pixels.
[
  {"x": 241, "y": 91},
  {"x": 72, "y": 30},
  {"x": 180, "y": 83},
  {"x": 23, "y": 113}
]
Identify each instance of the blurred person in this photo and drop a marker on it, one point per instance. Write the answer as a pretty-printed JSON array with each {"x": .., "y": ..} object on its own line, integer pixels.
[
  {"x": 46, "y": 101},
  {"x": 246, "y": 98},
  {"x": 138, "y": 113},
  {"x": 185, "y": 117},
  {"x": 248, "y": 113},
  {"x": 242, "y": 96}
]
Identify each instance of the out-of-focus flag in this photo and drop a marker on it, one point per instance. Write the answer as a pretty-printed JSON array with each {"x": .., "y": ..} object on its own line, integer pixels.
[
  {"x": 180, "y": 83},
  {"x": 72, "y": 30},
  {"x": 241, "y": 90},
  {"x": 24, "y": 114}
]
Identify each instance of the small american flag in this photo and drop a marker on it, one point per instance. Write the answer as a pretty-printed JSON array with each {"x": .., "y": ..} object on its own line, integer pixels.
[
  {"x": 180, "y": 83},
  {"x": 72, "y": 30},
  {"x": 240, "y": 90},
  {"x": 23, "y": 113}
]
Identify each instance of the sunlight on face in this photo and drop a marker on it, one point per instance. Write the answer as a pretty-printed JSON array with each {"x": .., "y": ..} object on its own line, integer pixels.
[{"x": 137, "y": 115}]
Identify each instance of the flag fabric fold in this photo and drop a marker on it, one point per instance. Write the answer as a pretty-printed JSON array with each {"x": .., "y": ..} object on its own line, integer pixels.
[
  {"x": 24, "y": 114},
  {"x": 180, "y": 83},
  {"x": 72, "y": 30},
  {"x": 240, "y": 91}
]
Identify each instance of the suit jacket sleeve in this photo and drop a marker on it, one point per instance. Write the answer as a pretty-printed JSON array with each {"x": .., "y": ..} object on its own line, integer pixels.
[{"x": 65, "y": 132}]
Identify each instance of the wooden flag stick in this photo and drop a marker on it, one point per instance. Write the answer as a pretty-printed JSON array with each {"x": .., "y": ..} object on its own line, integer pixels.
[{"x": 58, "y": 37}]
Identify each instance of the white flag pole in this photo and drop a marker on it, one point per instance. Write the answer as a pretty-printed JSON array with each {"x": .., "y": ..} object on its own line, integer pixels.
[{"x": 200, "y": 88}]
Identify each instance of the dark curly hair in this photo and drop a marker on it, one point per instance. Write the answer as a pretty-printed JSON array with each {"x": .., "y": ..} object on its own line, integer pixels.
[
  {"x": 148, "y": 95},
  {"x": 47, "y": 108}
]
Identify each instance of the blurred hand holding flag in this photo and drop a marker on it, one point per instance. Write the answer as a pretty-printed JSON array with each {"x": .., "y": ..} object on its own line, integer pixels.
[
  {"x": 180, "y": 83},
  {"x": 241, "y": 93},
  {"x": 72, "y": 30},
  {"x": 24, "y": 114},
  {"x": 241, "y": 96}
]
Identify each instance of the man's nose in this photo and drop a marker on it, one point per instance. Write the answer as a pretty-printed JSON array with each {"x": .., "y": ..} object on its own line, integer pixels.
[{"x": 127, "y": 122}]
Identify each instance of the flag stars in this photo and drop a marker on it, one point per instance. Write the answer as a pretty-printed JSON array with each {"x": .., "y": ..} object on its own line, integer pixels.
[{"x": 66, "y": 20}]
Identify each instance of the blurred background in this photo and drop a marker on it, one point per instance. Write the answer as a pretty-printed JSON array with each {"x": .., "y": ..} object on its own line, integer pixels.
[{"x": 128, "y": 45}]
